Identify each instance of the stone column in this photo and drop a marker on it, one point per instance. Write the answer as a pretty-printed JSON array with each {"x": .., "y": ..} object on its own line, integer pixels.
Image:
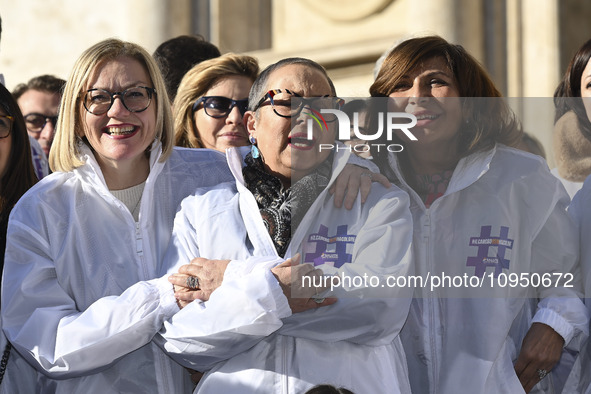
[
  {"x": 151, "y": 22},
  {"x": 540, "y": 54},
  {"x": 534, "y": 65},
  {"x": 239, "y": 26},
  {"x": 458, "y": 21}
]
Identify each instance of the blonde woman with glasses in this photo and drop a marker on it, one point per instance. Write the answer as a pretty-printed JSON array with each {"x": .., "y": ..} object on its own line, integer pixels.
[{"x": 81, "y": 297}]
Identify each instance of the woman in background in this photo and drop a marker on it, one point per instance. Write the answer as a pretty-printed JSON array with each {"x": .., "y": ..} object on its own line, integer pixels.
[
  {"x": 17, "y": 173},
  {"x": 572, "y": 141},
  {"x": 211, "y": 101}
]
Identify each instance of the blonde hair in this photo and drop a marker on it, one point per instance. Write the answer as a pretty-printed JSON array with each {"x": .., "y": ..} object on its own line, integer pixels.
[
  {"x": 196, "y": 83},
  {"x": 65, "y": 153}
]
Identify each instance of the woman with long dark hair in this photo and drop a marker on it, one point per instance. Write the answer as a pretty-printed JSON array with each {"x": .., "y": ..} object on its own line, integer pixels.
[
  {"x": 572, "y": 128},
  {"x": 17, "y": 175},
  {"x": 211, "y": 101},
  {"x": 572, "y": 147}
]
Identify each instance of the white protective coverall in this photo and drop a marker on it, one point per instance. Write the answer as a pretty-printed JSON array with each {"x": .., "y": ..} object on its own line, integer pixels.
[
  {"x": 502, "y": 217},
  {"x": 79, "y": 298},
  {"x": 580, "y": 211}
]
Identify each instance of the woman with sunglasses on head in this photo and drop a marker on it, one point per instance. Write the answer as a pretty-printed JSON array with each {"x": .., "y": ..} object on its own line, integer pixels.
[
  {"x": 572, "y": 148},
  {"x": 484, "y": 212},
  {"x": 211, "y": 101}
]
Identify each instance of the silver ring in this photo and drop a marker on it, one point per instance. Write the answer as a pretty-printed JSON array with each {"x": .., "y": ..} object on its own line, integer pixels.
[
  {"x": 193, "y": 283},
  {"x": 541, "y": 373},
  {"x": 319, "y": 300}
]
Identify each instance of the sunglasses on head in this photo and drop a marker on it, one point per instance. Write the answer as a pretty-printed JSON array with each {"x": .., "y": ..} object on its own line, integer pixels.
[{"x": 219, "y": 106}]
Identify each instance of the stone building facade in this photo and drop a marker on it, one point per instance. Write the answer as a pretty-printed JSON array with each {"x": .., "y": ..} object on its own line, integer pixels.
[{"x": 525, "y": 44}]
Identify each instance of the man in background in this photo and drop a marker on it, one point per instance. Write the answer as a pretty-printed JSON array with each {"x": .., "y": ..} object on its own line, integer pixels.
[{"x": 39, "y": 101}]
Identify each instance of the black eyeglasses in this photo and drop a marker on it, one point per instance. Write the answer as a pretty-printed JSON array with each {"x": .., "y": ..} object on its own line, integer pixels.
[
  {"x": 287, "y": 104},
  {"x": 136, "y": 99},
  {"x": 36, "y": 122},
  {"x": 219, "y": 106},
  {"x": 6, "y": 122}
]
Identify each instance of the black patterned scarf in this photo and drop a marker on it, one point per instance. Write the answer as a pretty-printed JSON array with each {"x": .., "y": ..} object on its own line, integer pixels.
[{"x": 282, "y": 209}]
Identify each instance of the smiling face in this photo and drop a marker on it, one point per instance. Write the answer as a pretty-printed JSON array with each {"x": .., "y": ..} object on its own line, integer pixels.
[
  {"x": 283, "y": 142},
  {"x": 430, "y": 92},
  {"x": 227, "y": 131},
  {"x": 119, "y": 137}
]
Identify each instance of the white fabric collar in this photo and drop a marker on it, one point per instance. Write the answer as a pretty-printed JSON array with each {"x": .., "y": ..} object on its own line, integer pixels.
[
  {"x": 91, "y": 171},
  {"x": 468, "y": 170},
  {"x": 235, "y": 158}
]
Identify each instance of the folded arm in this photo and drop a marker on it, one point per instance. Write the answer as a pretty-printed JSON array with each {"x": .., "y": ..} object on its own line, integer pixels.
[{"x": 44, "y": 323}]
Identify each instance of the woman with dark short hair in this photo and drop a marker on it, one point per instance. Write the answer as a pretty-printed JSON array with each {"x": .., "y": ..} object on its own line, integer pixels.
[{"x": 279, "y": 205}]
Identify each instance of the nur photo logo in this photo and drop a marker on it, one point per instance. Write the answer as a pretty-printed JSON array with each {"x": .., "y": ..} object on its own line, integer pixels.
[
  {"x": 318, "y": 118},
  {"x": 348, "y": 129}
]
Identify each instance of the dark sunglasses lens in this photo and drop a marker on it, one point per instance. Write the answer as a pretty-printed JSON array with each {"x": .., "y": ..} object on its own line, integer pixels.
[
  {"x": 242, "y": 106},
  {"x": 217, "y": 106}
]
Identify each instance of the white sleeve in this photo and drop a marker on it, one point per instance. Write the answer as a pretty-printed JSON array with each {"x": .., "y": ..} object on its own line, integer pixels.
[
  {"x": 371, "y": 315},
  {"x": 555, "y": 251},
  {"x": 240, "y": 313},
  {"x": 246, "y": 308},
  {"x": 44, "y": 324}
]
